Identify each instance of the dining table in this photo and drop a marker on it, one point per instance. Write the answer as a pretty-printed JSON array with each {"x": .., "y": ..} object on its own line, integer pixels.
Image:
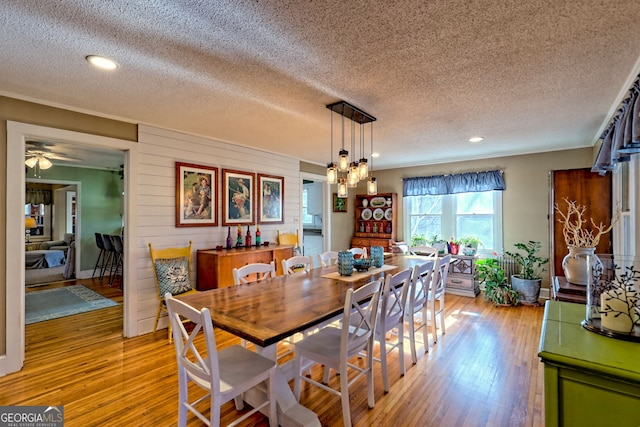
[{"x": 273, "y": 309}]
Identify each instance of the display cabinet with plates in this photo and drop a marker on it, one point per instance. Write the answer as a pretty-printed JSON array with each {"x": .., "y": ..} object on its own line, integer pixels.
[{"x": 375, "y": 220}]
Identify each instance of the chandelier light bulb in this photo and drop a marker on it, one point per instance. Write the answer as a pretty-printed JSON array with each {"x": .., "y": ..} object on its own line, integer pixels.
[
  {"x": 363, "y": 169},
  {"x": 372, "y": 186},
  {"x": 332, "y": 173},
  {"x": 342, "y": 188},
  {"x": 343, "y": 161}
]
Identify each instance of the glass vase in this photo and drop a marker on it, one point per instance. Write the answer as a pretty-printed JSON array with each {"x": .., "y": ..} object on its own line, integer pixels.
[
  {"x": 613, "y": 300},
  {"x": 345, "y": 263},
  {"x": 377, "y": 256}
]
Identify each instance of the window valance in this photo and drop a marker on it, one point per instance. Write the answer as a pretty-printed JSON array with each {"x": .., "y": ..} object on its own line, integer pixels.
[
  {"x": 38, "y": 196},
  {"x": 456, "y": 183},
  {"x": 622, "y": 137}
]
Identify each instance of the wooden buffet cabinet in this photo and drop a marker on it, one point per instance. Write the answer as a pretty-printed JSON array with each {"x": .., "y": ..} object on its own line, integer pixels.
[
  {"x": 375, "y": 220},
  {"x": 214, "y": 267}
]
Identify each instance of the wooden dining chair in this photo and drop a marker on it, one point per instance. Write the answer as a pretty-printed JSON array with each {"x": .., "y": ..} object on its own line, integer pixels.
[
  {"x": 328, "y": 258},
  {"x": 288, "y": 238},
  {"x": 416, "y": 308},
  {"x": 172, "y": 272},
  {"x": 435, "y": 302},
  {"x": 297, "y": 264},
  {"x": 334, "y": 347},
  {"x": 224, "y": 374},
  {"x": 255, "y": 272},
  {"x": 360, "y": 252}
]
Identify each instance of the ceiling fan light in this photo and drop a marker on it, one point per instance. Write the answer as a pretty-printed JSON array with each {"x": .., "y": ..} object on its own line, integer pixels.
[
  {"x": 31, "y": 161},
  {"x": 45, "y": 163}
]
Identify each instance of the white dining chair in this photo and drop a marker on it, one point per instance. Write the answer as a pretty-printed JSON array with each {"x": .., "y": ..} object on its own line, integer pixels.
[
  {"x": 429, "y": 251},
  {"x": 361, "y": 252},
  {"x": 297, "y": 264},
  {"x": 327, "y": 259},
  {"x": 391, "y": 316},
  {"x": 255, "y": 272},
  {"x": 224, "y": 374},
  {"x": 333, "y": 347},
  {"x": 416, "y": 308},
  {"x": 435, "y": 302}
]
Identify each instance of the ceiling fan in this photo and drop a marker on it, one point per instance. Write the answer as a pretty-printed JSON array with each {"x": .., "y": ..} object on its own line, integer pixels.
[{"x": 39, "y": 154}]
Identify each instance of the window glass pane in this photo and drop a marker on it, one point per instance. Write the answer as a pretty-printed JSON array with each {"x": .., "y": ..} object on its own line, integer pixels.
[
  {"x": 475, "y": 203},
  {"x": 456, "y": 215},
  {"x": 480, "y": 226}
]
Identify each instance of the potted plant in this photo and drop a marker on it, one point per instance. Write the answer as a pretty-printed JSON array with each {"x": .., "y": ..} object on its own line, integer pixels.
[
  {"x": 528, "y": 282},
  {"x": 418, "y": 240},
  {"x": 454, "y": 246},
  {"x": 471, "y": 244},
  {"x": 439, "y": 244},
  {"x": 496, "y": 287}
]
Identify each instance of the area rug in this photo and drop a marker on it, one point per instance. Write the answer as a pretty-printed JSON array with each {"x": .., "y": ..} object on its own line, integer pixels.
[{"x": 61, "y": 302}]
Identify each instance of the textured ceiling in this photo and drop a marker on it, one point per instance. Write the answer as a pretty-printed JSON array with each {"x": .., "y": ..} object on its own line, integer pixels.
[{"x": 529, "y": 76}]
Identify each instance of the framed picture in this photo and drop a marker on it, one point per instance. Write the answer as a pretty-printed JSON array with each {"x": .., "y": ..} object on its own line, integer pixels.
[
  {"x": 339, "y": 204},
  {"x": 238, "y": 196},
  {"x": 196, "y": 195},
  {"x": 270, "y": 199}
]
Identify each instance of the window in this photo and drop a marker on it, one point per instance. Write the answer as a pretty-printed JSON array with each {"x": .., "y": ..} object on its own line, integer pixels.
[
  {"x": 464, "y": 214},
  {"x": 306, "y": 217}
]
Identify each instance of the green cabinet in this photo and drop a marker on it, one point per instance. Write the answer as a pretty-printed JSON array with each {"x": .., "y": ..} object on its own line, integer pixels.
[{"x": 589, "y": 379}]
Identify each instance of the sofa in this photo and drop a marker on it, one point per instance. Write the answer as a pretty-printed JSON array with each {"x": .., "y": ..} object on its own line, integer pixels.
[
  {"x": 49, "y": 265},
  {"x": 62, "y": 245}
]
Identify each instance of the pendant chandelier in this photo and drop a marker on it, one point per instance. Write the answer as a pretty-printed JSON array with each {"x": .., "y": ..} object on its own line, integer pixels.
[{"x": 348, "y": 173}]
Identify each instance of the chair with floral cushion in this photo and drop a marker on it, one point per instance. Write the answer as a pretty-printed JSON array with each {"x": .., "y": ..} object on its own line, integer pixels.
[{"x": 172, "y": 271}]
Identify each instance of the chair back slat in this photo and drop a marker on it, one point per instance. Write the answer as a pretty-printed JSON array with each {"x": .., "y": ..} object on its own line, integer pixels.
[
  {"x": 297, "y": 264},
  {"x": 197, "y": 359},
  {"x": 255, "y": 272},
  {"x": 440, "y": 275},
  {"x": 328, "y": 258},
  {"x": 359, "y": 318},
  {"x": 420, "y": 284}
]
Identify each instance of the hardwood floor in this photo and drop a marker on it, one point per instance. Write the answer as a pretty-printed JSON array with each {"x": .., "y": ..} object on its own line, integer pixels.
[{"x": 483, "y": 372}]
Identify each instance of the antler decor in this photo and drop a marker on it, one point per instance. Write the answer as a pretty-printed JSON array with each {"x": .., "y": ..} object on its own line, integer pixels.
[{"x": 577, "y": 231}]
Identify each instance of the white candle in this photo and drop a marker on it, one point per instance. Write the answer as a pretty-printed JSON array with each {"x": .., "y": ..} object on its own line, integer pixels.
[{"x": 615, "y": 311}]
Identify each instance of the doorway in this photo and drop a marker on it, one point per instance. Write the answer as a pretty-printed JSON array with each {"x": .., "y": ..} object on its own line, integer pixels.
[
  {"x": 17, "y": 134},
  {"x": 315, "y": 224}
]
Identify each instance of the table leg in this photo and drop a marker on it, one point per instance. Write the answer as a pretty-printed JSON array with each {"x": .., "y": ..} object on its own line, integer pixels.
[{"x": 290, "y": 412}]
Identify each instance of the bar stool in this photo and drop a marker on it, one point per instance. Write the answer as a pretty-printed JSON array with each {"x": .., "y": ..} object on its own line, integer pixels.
[
  {"x": 101, "y": 256},
  {"x": 110, "y": 254},
  {"x": 119, "y": 253}
]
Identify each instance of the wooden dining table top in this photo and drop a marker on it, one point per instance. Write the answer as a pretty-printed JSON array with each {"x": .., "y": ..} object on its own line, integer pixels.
[{"x": 268, "y": 311}]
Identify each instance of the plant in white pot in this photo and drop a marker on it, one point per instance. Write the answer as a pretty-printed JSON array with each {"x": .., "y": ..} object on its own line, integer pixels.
[
  {"x": 528, "y": 282},
  {"x": 581, "y": 265}
]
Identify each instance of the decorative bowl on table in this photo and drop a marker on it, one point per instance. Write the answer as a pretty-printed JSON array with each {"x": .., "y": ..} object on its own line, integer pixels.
[{"x": 362, "y": 264}]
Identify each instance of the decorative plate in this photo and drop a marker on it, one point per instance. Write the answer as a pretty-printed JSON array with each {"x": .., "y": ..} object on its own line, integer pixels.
[
  {"x": 366, "y": 214},
  {"x": 378, "y": 214},
  {"x": 388, "y": 214},
  {"x": 378, "y": 202}
]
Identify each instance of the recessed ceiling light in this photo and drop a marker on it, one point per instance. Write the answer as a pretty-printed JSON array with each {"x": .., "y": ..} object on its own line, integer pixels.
[
  {"x": 476, "y": 139},
  {"x": 102, "y": 62},
  {"x": 375, "y": 154}
]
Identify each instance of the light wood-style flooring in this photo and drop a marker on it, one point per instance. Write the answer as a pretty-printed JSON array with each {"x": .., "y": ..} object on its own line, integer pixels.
[{"x": 483, "y": 372}]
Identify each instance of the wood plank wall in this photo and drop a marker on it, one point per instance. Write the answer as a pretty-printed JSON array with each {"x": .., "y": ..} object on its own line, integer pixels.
[{"x": 159, "y": 150}]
